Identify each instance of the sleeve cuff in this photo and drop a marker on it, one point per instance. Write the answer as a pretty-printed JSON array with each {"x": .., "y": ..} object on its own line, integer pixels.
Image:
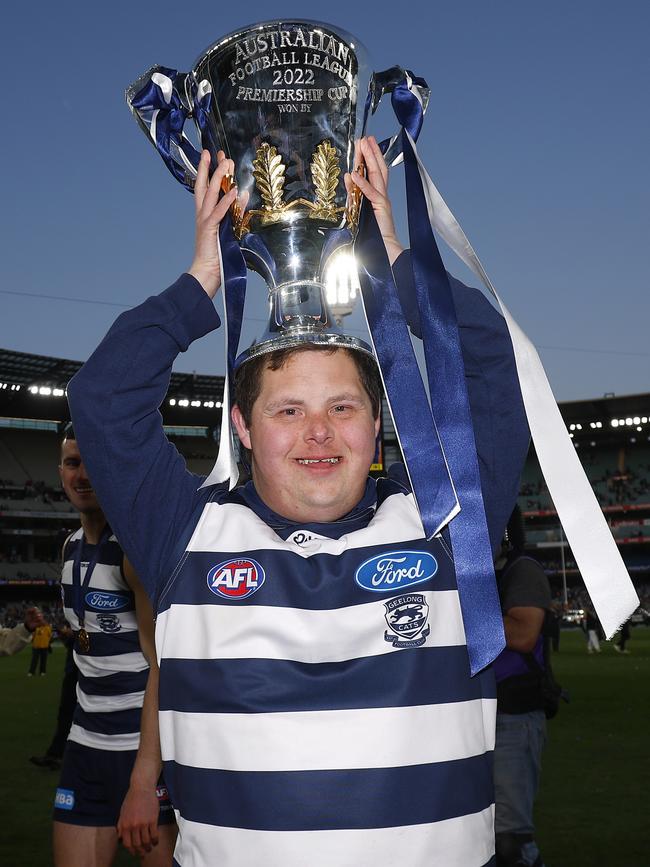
[{"x": 194, "y": 307}]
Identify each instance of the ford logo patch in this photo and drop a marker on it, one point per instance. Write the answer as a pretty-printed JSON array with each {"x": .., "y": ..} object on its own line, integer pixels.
[
  {"x": 102, "y": 601},
  {"x": 396, "y": 570}
]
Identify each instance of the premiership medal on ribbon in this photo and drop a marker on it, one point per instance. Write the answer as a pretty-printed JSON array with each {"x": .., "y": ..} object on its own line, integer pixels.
[
  {"x": 83, "y": 640},
  {"x": 80, "y": 585}
]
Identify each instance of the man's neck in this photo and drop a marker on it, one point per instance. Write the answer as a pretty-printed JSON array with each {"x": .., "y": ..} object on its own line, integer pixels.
[
  {"x": 365, "y": 501},
  {"x": 92, "y": 523}
]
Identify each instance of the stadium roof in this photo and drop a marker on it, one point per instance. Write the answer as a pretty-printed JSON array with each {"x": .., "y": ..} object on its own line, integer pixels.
[
  {"x": 40, "y": 375},
  {"x": 33, "y": 386},
  {"x": 23, "y": 368}
]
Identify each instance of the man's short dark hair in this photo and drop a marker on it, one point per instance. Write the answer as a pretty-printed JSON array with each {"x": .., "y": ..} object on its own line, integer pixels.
[{"x": 248, "y": 378}]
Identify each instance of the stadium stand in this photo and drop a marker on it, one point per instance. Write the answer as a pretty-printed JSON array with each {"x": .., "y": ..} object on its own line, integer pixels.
[
  {"x": 28, "y": 455},
  {"x": 611, "y": 435}
]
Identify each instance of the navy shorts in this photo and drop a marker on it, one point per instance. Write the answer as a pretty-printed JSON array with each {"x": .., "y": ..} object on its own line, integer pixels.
[{"x": 93, "y": 785}]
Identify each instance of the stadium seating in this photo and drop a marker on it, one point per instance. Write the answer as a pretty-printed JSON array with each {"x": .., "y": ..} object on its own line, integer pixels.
[
  {"x": 28, "y": 571},
  {"x": 26, "y": 455}
]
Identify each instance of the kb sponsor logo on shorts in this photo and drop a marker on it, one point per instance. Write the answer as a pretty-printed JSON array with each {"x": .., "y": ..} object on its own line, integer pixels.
[
  {"x": 101, "y": 601},
  {"x": 236, "y": 579},
  {"x": 163, "y": 799},
  {"x": 64, "y": 799},
  {"x": 396, "y": 570}
]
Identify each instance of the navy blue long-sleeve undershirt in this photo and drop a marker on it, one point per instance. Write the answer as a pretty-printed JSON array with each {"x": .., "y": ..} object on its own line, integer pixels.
[{"x": 141, "y": 480}]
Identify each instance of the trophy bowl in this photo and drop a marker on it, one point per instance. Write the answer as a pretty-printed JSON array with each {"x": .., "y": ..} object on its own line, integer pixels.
[{"x": 281, "y": 99}]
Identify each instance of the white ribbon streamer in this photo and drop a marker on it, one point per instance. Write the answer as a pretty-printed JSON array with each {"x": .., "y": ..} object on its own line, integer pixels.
[
  {"x": 225, "y": 468},
  {"x": 165, "y": 84},
  {"x": 593, "y": 546}
]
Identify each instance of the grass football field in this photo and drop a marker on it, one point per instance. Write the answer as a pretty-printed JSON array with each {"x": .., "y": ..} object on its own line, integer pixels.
[{"x": 592, "y": 809}]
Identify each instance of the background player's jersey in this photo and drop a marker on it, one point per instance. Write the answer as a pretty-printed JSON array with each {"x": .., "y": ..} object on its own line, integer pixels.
[
  {"x": 113, "y": 673},
  {"x": 316, "y": 705}
]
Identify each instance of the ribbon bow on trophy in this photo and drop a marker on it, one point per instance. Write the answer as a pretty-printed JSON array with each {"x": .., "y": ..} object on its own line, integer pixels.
[{"x": 285, "y": 100}]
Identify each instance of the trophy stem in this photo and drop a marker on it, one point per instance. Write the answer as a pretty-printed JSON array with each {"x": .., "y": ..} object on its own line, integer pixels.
[{"x": 299, "y": 303}]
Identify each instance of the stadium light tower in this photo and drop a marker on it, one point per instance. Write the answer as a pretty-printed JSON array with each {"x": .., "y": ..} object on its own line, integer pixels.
[{"x": 341, "y": 286}]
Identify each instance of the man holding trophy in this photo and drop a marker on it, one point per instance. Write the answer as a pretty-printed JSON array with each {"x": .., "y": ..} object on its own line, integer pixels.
[{"x": 324, "y": 639}]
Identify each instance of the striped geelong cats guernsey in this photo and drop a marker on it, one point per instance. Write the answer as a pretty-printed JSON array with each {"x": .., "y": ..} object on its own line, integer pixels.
[
  {"x": 113, "y": 674},
  {"x": 306, "y": 719},
  {"x": 315, "y": 701}
]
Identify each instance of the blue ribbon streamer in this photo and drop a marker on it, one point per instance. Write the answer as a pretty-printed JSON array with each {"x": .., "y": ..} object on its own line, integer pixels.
[
  {"x": 201, "y": 108},
  {"x": 411, "y": 116},
  {"x": 407, "y": 107},
  {"x": 421, "y": 448},
  {"x": 234, "y": 294},
  {"x": 201, "y": 114},
  {"x": 170, "y": 121},
  {"x": 450, "y": 406},
  {"x": 78, "y": 586}
]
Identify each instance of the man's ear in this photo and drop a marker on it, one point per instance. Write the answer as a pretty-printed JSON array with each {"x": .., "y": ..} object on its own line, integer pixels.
[{"x": 240, "y": 426}]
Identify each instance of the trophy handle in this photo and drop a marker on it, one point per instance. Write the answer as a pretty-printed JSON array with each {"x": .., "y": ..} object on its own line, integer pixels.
[
  {"x": 160, "y": 104},
  {"x": 391, "y": 81}
]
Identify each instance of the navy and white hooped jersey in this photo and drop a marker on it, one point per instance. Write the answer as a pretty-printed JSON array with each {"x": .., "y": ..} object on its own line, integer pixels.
[
  {"x": 316, "y": 705},
  {"x": 113, "y": 674}
]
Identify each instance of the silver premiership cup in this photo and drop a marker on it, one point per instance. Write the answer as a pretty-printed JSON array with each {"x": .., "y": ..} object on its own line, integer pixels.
[{"x": 285, "y": 101}]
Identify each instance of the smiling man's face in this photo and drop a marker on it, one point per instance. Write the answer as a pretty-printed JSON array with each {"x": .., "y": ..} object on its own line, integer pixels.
[
  {"x": 74, "y": 479},
  {"x": 312, "y": 435}
]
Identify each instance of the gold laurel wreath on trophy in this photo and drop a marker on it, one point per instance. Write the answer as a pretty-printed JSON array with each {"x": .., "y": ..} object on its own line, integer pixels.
[{"x": 269, "y": 174}]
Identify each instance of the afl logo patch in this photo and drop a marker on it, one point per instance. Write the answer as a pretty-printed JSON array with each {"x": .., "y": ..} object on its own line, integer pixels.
[{"x": 236, "y": 579}]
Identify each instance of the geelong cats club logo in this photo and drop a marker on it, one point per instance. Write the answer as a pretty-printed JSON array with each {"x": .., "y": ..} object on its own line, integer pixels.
[
  {"x": 236, "y": 579},
  {"x": 109, "y": 623},
  {"x": 407, "y": 617}
]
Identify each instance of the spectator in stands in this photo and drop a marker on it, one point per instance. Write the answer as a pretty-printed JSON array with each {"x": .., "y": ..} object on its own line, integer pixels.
[
  {"x": 16, "y": 638},
  {"x": 521, "y": 723},
  {"x": 41, "y": 641}
]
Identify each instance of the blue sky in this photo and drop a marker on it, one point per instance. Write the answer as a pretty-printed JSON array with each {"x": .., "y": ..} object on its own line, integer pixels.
[{"x": 538, "y": 137}]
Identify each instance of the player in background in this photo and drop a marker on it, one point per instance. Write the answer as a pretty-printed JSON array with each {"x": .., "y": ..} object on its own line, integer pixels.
[{"x": 109, "y": 786}]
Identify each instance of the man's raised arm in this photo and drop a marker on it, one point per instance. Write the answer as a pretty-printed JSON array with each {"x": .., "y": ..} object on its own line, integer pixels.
[{"x": 140, "y": 479}]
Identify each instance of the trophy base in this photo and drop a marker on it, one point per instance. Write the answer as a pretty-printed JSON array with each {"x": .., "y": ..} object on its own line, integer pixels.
[{"x": 299, "y": 337}]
